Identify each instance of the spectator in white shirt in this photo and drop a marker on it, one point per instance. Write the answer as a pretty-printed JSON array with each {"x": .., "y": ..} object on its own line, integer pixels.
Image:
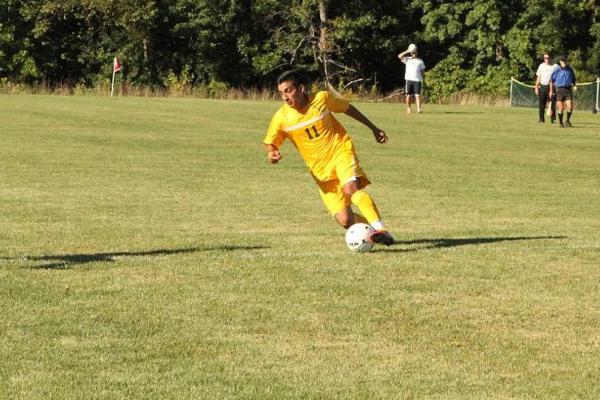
[
  {"x": 542, "y": 88},
  {"x": 413, "y": 76}
]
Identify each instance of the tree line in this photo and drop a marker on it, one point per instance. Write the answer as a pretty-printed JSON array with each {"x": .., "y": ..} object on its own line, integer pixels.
[{"x": 468, "y": 46}]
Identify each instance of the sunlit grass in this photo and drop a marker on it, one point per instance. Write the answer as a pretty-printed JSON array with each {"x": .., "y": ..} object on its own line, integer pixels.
[{"x": 147, "y": 250}]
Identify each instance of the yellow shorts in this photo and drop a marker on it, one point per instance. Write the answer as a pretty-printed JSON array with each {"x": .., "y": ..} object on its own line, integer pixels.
[{"x": 346, "y": 168}]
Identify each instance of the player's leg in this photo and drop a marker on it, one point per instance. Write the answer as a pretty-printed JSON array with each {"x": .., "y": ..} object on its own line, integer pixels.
[
  {"x": 559, "y": 107},
  {"x": 569, "y": 107},
  {"x": 354, "y": 180},
  {"x": 410, "y": 96},
  {"x": 336, "y": 203},
  {"x": 418, "y": 102},
  {"x": 364, "y": 202},
  {"x": 553, "y": 107},
  {"x": 418, "y": 96},
  {"x": 559, "y": 112},
  {"x": 348, "y": 191},
  {"x": 542, "y": 100},
  {"x": 346, "y": 217}
]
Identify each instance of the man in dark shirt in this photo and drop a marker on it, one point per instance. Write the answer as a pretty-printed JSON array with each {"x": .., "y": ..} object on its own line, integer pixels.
[{"x": 564, "y": 83}]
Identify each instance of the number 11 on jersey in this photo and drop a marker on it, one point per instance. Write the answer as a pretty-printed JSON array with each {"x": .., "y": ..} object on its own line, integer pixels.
[{"x": 316, "y": 133}]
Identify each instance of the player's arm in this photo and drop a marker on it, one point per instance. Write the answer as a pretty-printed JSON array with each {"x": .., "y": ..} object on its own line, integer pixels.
[
  {"x": 537, "y": 86},
  {"x": 273, "y": 154},
  {"x": 552, "y": 81},
  {"x": 274, "y": 139},
  {"x": 353, "y": 112},
  {"x": 403, "y": 54}
]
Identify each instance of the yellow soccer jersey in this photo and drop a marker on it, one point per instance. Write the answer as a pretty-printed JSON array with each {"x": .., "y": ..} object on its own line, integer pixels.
[{"x": 317, "y": 135}]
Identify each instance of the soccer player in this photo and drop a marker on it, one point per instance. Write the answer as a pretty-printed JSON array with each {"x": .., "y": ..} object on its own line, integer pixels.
[
  {"x": 542, "y": 88},
  {"x": 563, "y": 80},
  {"x": 413, "y": 76},
  {"x": 308, "y": 121}
]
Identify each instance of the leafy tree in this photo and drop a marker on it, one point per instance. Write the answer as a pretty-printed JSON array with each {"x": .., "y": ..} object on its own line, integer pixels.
[
  {"x": 213, "y": 38},
  {"x": 16, "y": 60},
  {"x": 368, "y": 36},
  {"x": 472, "y": 46}
]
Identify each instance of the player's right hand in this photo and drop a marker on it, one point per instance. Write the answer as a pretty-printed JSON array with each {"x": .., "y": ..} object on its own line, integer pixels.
[{"x": 274, "y": 156}]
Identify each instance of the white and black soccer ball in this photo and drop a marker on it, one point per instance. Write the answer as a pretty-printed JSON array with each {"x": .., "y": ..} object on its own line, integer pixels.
[{"x": 358, "y": 238}]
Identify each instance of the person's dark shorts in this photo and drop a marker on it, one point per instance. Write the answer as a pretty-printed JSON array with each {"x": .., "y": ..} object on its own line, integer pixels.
[
  {"x": 413, "y": 87},
  {"x": 564, "y": 93}
]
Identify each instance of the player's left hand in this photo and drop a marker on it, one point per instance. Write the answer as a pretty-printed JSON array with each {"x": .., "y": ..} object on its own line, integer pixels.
[
  {"x": 380, "y": 136},
  {"x": 574, "y": 88}
]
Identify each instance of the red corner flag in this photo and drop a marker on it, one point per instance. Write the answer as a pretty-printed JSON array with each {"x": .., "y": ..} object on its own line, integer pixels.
[
  {"x": 116, "y": 68},
  {"x": 117, "y": 65}
]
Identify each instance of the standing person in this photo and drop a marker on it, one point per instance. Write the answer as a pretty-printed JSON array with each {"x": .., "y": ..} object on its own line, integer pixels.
[
  {"x": 564, "y": 82},
  {"x": 307, "y": 120},
  {"x": 542, "y": 88},
  {"x": 413, "y": 76}
]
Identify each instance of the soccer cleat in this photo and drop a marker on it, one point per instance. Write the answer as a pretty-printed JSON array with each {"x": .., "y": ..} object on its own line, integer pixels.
[
  {"x": 561, "y": 125},
  {"x": 382, "y": 237},
  {"x": 568, "y": 124}
]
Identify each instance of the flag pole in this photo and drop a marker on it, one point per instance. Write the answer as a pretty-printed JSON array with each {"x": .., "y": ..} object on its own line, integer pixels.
[
  {"x": 112, "y": 86},
  {"x": 116, "y": 68}
]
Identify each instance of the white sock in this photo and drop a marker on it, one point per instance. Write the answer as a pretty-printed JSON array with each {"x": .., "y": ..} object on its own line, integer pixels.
[{"x": 378, "y": 225}]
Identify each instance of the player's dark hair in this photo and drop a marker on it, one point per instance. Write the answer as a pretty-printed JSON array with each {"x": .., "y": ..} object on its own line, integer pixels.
[{"x": 294, "y": 76}]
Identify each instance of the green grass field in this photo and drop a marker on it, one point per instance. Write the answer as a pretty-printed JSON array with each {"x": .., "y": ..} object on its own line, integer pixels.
[{"x": 148, "y": 250}]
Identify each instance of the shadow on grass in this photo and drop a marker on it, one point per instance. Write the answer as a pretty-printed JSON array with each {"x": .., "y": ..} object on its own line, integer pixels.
[
  {"x": 461, "y": 112},
  {"x": 427, "y": 244},
  {"x": 585, "y": 124},
  {"x": 62, "y": 261}
]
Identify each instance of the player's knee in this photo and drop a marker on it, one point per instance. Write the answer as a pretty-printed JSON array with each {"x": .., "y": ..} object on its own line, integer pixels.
[{"x": 350, "y": 188}]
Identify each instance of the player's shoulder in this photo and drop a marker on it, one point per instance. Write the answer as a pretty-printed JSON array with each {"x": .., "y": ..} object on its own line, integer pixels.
[
  {"x": 321, "y": 94},
  {"x": 280, "y": 113}
]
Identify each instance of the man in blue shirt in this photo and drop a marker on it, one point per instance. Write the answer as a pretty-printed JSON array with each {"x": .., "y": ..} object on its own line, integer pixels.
[{"x": 564, "y": 83}]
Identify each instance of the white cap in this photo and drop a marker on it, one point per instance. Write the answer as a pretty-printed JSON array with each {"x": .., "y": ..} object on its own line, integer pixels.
[{"x": 412, "y": 47}]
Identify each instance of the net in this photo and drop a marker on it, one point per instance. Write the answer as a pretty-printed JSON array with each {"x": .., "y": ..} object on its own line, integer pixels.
[{"x": 585, "y": 97}]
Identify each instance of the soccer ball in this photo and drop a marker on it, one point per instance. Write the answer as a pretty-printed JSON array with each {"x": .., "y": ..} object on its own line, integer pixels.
[
  {"x": 412, "y": 47},
  {"x": 358, "y": 238}
]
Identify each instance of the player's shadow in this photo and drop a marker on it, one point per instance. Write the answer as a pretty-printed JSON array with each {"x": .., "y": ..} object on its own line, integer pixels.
[
  {"x": 427, "y": 244},
  {"x": 63, "y": 261}
]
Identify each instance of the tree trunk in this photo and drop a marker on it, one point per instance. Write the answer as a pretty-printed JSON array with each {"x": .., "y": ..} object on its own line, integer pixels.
[{"x": 324, "y": 46}]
